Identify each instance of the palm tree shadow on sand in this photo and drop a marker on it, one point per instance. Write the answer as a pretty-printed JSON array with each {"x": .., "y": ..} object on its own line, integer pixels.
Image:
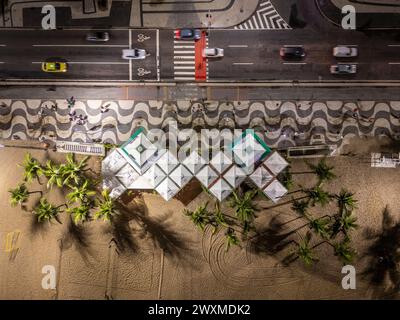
[
  {"x": 276, "y": 240},
  {"x": 383, "y": 257},
  {"x": 271, "y": 240},
  {"x": 133, "y": 224},
  {"x": 77, "y": 236}
]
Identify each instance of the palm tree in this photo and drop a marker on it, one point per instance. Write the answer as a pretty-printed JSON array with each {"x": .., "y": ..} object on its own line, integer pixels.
[
  {"x": 46, "y": 211},
  {"x": 107, "y": 208},
  {"x": 317, "y": 195},
  {"x": 20, "y": 195},
  {"x": 231, "y": 238},
  {"x": 344, "y": 251},
  {"x": 323, "y": 171},
  {"x": 71, "y": 171},
  {"x": 32, "y": 168},
  {"x": 304, "y": 251},
  {"x": 345, "y": 201},
  {"x": 320, "y": 226},
  {"x": 218, "y": 218},
  {"x": 81, "y": 193},
  {"x": 53, "y": 172},
  {"x": 300, "y": 207},
  {"x": 344, "y": 222},
  {"x": 79, "y": 214},
  {"x": 200, "y": 217},
  {"x": 244, "y": 209},
  {"x": 287, "y": 178}
]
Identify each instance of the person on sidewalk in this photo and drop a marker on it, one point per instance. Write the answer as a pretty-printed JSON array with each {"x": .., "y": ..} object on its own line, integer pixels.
[{"x": 71, "y": 102}]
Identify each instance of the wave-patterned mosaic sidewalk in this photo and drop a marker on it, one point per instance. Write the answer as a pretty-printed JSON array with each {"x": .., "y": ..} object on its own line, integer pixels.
[{"x": 286, "y": 123}]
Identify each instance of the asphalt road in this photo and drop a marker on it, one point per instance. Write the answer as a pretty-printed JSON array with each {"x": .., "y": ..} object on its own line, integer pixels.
[
  {"x": 255, "y": 56},
  {"x": 249, "y": 55},
  {"x": 23, "y": 51}
]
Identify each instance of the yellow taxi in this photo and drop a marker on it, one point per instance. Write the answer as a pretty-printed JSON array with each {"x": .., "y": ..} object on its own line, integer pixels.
[{"x": 54, "y": 67}]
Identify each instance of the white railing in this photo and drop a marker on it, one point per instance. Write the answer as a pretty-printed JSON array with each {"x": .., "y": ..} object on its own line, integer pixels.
[{"x": 92, "y": 149}]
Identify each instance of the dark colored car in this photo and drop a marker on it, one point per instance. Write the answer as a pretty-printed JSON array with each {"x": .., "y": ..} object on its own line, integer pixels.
[
  {"x": 187, "y": 34},
  {"x": 292, "y": 53},
  {"x": 100, "y": 36}
]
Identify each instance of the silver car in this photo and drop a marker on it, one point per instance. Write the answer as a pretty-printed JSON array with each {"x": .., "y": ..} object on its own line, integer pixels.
[
  {"x": 345, "y": 52},
  {"x": 134, "y": 54},
  {"x": 213, "y": 53},
  {"x": 343, "y": 69},
  {"x": 99, "y": 36}
]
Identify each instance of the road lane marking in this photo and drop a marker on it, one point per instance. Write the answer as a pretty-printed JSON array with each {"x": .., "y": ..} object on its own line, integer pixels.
[
  {"x": 184, "y": 47},
  {"x": 238, "y": 46},
  {"x": 82, "y": 45},
  {"x": 3, "y": 45},
  {"x": 394, "y": 63},
  {"x": 185, "y": 73},
  {"x": 130, "y": 61},
  {"x": 85, "y": 62},
  {"x": 184, "y": 62},
  {"x": 184, "y": 52},
  {"x": 158, "y": 54},
  {"x": 1, "y": 62},
  {"x": 292, "y": 45},
  {"x": 186, "y": 67},
  {"x": 393, "y": 45},
  {"x": 300, "y": 63},
  {"x": 183, "y": 42},
  {"x": 183, "y": 57},
  {"x": 242, "y": 63}
]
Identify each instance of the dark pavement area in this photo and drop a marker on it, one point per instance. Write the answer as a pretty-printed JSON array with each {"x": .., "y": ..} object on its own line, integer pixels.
[
  {"x": 119, "y": 17},
  {"x": 363, "y": 20}
]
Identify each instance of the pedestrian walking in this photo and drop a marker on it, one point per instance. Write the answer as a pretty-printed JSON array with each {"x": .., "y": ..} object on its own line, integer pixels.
[
  {"x": 104, "y": 108},
  {"x": 71, "y": 102},
  {"x": 72, "y": 113}
]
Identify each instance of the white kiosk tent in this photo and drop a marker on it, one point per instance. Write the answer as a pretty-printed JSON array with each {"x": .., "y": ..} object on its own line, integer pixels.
[{"x": 141, "y": 164}]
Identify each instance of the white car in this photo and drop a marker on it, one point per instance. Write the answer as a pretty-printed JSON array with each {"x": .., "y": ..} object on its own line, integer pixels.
[
  {"x": 134, "y": 54},
  {"x": 345, "y": 52},
  {"x": 343, "y": 69},
  {"x": 213, "y": 53}
]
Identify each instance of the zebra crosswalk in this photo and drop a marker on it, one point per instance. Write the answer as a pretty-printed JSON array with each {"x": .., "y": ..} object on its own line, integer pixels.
[
  {"x": 265, "y": 17},
  {"x": 184, "y": 60}
]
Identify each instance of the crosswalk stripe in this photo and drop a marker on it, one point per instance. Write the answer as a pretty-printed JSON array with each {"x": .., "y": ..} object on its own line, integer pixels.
[
  {"x": 184, "y": 52},
  {"x": 183, "y": 57},
  {"x": 184, "y": 67},
  {"x": 184, "y": 62},
  {"x": 183, "y": 73},
  {"x": 183, "y": 42},
  {"x": 184, "y": 47},
  {"x": 265, "y": 17}
]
